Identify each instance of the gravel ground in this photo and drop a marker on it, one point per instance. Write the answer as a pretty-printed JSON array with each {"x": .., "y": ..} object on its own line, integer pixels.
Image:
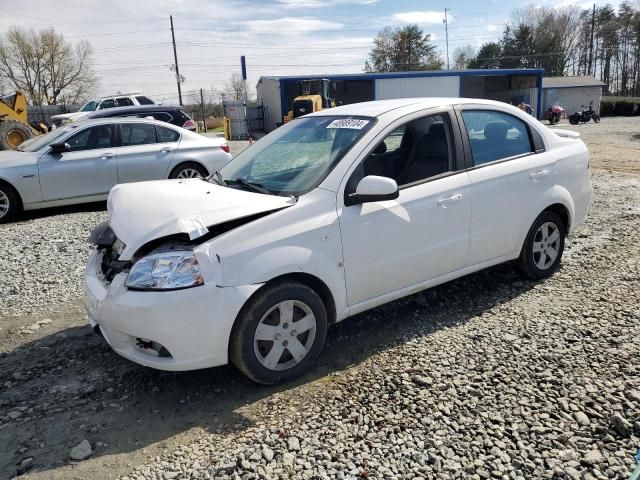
[{"x": 488, "y": 376}]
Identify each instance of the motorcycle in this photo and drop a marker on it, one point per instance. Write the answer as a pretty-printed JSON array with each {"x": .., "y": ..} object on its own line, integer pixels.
[
  {"x": 554, "y": 114},
  {"x": 584, "y": 116},
  {"x": 525, "y": 107}
]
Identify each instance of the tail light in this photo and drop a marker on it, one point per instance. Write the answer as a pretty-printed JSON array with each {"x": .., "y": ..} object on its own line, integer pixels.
[
  {"x": 225, "y": 147},
  {"x": 189, "y": 125}
]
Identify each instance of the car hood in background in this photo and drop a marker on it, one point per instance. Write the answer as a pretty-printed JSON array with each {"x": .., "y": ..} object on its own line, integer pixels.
[
  {"x": 14, "y": 158},
  {"x": 144, "y": 211}
]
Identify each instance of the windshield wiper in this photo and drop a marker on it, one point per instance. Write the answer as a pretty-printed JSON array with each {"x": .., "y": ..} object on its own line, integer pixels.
[
  {"x": 219, "y": 180},
  {"x": 256, "y": 187}
]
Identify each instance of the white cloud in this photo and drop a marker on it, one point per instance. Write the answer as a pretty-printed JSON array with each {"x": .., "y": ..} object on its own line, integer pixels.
[
  {"x": 289, "y": 25},
  {"x": 298, "y": 4},
  {"x": 492, "y": 28},
  {"x": 422, "y": 17}
]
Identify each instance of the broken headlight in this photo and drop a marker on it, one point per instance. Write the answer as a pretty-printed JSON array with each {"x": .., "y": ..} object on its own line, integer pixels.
[{"x": 165, "y": 271}]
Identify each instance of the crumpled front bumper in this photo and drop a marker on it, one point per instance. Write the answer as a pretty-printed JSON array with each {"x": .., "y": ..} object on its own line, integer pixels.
[{"x": 193, "y": 324}]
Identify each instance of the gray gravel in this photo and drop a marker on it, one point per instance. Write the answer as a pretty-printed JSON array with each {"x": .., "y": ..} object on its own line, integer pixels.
[
  {"x": 523, "y": 381},
  {"x": 43, "y": 257}
]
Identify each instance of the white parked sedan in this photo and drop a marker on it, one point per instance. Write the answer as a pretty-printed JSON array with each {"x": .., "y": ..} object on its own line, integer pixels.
[
  {"x": 333, "y": 214},
  {"x": 80, "y": 163}
]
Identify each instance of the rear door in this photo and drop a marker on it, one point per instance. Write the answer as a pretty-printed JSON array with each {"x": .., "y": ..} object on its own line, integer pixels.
[
  {"x": 88, "y": 169},
  {"x": 145, "y": 151},
  {"x": 509, "y": 172}
]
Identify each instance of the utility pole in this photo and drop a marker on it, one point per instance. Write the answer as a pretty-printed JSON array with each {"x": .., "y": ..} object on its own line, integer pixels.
[
  {"x": 446, "y": 33},
  {"x": 593, "y": 23},
  {"x": 204, "y": 119},
  {"x": 175, "y": 59}
]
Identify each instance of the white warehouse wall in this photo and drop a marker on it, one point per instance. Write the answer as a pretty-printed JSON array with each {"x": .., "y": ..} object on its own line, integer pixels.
[
  {"x": 268, "y": 91},
  {"x": 386, "y": 88}
]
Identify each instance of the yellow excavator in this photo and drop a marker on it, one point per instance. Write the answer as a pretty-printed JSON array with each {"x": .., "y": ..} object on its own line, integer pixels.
[
  {"x": 314, "y": 95},
  {"x": 14, "y": 122}
]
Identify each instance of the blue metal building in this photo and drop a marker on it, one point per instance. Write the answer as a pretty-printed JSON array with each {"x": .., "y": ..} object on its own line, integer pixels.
[{"x": 276, "y": 94}]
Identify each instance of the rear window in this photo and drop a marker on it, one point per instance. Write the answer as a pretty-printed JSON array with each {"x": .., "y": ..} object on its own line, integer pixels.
[
  {"x": 142, "y": 100},
  {"x": 167, "y": 134}
]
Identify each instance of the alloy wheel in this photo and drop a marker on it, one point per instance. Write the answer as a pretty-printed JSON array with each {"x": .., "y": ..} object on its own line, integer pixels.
[
  {"x": 284, "y": 336},
  {"x": 546, "y": 245},
  {"x": 189, "y": 173},
  {"x": 5, "y": 204}
]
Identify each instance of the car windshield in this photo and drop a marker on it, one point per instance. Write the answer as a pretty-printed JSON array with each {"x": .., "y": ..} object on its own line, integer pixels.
[
  {"x": 89, "y": 107},
  {"x": 297, "y": 157},
  {"x": 36, "y": 143}
]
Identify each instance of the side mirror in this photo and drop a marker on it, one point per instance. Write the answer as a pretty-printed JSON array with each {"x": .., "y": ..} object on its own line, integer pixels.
[
  {"x": 60, "y": 147},
  {"x": 373, "y": 188}
]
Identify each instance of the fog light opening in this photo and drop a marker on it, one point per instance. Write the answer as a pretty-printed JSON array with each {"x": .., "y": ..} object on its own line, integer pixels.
[{"x": 152, "y": 348}]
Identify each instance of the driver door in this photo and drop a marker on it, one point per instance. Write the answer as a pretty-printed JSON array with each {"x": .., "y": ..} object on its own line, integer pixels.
[
  {"x": 394, "y": 244},
  {"x": 90, "y": 167}
]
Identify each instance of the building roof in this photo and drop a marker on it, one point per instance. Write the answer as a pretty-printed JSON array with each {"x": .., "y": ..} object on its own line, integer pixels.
[
  {"x": 567, "y": 82},
  {"x": 425, "y": 73},
  {"x": 379, "y": 107}
]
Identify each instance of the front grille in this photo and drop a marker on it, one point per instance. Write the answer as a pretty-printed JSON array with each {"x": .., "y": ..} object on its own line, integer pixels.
[{"x": 302, "y": 107}]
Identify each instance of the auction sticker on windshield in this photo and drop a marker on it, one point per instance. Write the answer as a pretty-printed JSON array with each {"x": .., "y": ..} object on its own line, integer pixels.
[{"x": 354, "y": 123}]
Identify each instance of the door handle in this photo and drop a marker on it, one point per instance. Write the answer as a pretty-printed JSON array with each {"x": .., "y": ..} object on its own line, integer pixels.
[
  {"x": 443, "y": 202},
  {"x": 538, "y": 174},
  {"x": 166, "y": 150},
  {"x": 107, "y": 156}
]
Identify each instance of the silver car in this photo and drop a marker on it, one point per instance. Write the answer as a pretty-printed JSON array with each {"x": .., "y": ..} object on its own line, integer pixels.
[{"x": 80, "y": 163}]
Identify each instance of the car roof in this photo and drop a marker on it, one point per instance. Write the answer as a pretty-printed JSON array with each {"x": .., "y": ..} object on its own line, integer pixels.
[
  {"x": 108, "y": 120},
  {"x": 112, "y": 112},
  {"x": 377, "y": 108}
]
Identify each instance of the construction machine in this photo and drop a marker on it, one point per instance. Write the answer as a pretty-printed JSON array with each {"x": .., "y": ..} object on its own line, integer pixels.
[
  {"x": 314, "y": 95},
  {"x": 14, "y": 122}
]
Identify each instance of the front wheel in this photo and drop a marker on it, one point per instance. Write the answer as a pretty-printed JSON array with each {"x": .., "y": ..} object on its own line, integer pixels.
[
  {"x": 542, "y": 250},
  {"x": 9, "y": 203},
  {"x": 596, "y": 117},
  {"x": 279, "y": 334}
]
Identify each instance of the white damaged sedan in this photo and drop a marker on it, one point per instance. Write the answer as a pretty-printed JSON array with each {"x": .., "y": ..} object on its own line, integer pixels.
[{"x": 332, "y": 214}]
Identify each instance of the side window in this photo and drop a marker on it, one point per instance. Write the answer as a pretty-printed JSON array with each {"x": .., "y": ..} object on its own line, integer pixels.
[
  {"x": 138, "y": 134},
  {"x": 413, "y": 152},
  {"x": 167, "y": 134},
  {"x": 109, "y": 103},
  {"x": 92, "y": 138},
  {"x": 495, "y": 135},
  {"x": 124, "y": 102},
  {"x": 142, "y": 100}
]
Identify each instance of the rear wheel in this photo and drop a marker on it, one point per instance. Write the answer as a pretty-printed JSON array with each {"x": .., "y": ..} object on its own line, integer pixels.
[
  {"x": 573, "y": 120},
  {"x": 12, "y": 134},
  {"x": 279, "y": 334},
  {"x": 9, "y": 203},
  {"x": 189, "y": 170},
  {"x": 543, "y": 247}
]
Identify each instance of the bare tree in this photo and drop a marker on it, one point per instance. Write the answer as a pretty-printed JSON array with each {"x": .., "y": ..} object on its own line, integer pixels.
[
  {"x": 45, "y": 66},
  {"x": 462, "y": 56},
  {"x": 235, "y": 88}
]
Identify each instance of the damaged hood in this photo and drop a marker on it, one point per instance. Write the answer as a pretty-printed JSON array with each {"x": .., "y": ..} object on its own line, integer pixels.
[{"x": 144, "y": 211}]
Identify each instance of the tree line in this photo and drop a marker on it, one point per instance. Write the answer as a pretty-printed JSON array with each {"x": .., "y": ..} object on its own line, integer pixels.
[{"x": 604, "y": 43}]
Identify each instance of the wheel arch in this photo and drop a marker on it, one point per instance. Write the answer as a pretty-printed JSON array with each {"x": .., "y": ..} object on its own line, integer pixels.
[
  {"x": 181, "y": 162},
  {"x": 311, "y": 281},
  {"x": 7, "y": 183}
]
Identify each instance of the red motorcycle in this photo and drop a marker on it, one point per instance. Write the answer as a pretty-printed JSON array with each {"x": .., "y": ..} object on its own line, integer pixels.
[{"x": 554, "y": 114}]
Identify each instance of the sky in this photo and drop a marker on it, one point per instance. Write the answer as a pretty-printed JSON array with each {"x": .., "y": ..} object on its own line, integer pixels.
[{"x": 131, "y": 39}]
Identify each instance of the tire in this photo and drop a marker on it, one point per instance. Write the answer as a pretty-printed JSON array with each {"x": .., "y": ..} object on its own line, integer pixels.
[
  {"x": 9, "y": 203},
  {"x": 541, "y": 264},
  {"x": 261, "y": 338},
  {"x": 596, "y": 118},
  {"x": 189, "y": 170},
  {"x": 573, "y": 120},
  {"x": 12, "y": 134}
]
